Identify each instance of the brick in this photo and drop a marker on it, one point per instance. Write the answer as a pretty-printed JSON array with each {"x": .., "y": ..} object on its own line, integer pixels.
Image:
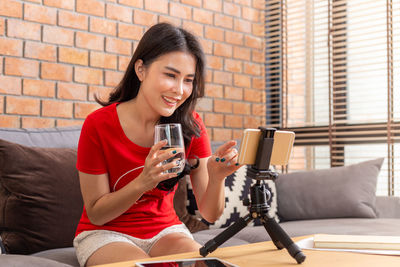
[
  {"x": 196, "y": 28},
  {"x": 73, "y": 20},
  {"x": 233, "y": 65},
  {"x": 9, "y": 121},
  {"x": 209, "y": 75},
  {"x": 203, "y": 16},
  {"x": 222, "y": 134},
  {"x": 101, "y": 92},
  {"x": 11, "y": 8},
  {"x": 84, "y": 109},
  {"x": 215, "y": 5},
  {"x": 207, "y": 46},
  {"x": 103, "y": 60},
  {"x": 56, "y": 108},
  {"x": 89, "y": 41},
  {"x": 214, "y": 33},
  {"x": 23, "y": 29},
  {"x": 123, "y": 63},
  {"x": 214, "y": 62},
  {"x": 253, "y": 42},
  {"x": 251, "y": 14},
  {"x": 118, "y": 46},
  {"x": 119, "y": 13},
  {"x": 214, "y": 120},
  {"x": 103, "y": 26},
  {"x": 252, "y": 95},
  {"x": 221, "y": 77},
  {"x": 41, "y": 14},
  {"x": 54, "y": 71},
  {"x": 259, "y": 4},
  {"x": 92, "y": 7},
  {"x": 73, "y": 56},
  {"x": 130, "y": 31},
  {"x": 67, "y": 123},
  {"x": 258, "y": 30},
  {"x": 258, "y": 56},
  {"x": 21, "y": 67},
  {"x": 241, "y": 25},
  {"x": 233, "y": 121},
  {"x": 223, "y": 21},
  {"x": 56, "y": 35},
  {"x": 40, "y": 51},
  {"x": 2, "y": 104},
  {"x": 66, "y": 4},
  {"x": 241, "y": 108},
  {"x": 223, "y": 106},
  {"x": 241, "y": 53},
  {"x": 88, "y": 75},
  {"x": 213, "y": 90},
  {"x": 222, "y": 49},
  {"x": 10, "y": 85},
  {"x": 234, "y": 37},
  {"x": 1, "y": 65},
  {"x": 2, "y": 26},
  {"x": 38, "y": 88},
  {"x": 180, "y": 11},
  {"x": 235, "y": 93},
  {"x": 133, "y": 3},
  {"x": 258, "y": 83},
  {"x": 243, "y": 2},
  {"x": 144, "y": 18},
  {"x": 241, "y": 80},
  {"x": 252, "y": 122},
  {"x": 252, "y": 69},
  {"x": 113, "y": 78},
  {"x": 232, "y": 9},
  {"x": 159, "y": 6},
  {"x": 22, "y": 105},
  {"x": 258, "y": 109},
  {"x": 34, "y": 1},
  {"x": 36, "y": 122},
  {"x": 10, "y": 47},
  {"x": 204, "y": 104},
  {"x": 196, "y": 3},
  {"x": 71, "y": 91},
  {"x": 237, "y": 134},
  {"x": 170, "y": 20}
]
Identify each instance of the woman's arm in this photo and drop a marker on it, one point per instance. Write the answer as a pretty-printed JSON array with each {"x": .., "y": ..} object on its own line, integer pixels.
[
  {"x": 103, "y": 206},
  {"x": 208, "y": 181}
]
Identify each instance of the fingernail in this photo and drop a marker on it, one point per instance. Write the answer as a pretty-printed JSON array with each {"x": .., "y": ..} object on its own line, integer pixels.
[
  {"x": 174, "y": 152},
  {"x": 223, "y": 159},
  {"x": 178, "y": 162},
  {"x": 237, "y": 164},
  {"x": 217, "y": 159},
  {"x": 178, "y": 173}
]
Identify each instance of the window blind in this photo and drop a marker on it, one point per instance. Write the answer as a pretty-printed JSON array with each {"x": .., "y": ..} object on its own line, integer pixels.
[{"x": 333, "y": 77}]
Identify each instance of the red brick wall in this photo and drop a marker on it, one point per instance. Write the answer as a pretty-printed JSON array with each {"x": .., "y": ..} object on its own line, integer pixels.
[{"x": 55, "y": 54}]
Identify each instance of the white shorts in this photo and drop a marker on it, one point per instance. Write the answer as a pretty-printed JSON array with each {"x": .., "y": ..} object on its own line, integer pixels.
[{"x": 86, "y": 243}]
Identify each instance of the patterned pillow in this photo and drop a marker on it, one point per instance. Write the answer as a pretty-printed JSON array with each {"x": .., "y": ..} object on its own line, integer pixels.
[{"x": 237, "y": 188}]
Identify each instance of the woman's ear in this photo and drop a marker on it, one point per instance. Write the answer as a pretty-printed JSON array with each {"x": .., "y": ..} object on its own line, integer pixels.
[{"x": 139, "y": 69}]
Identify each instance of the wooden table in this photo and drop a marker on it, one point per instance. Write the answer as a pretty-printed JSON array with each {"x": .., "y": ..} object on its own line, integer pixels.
[{"x": 266, "y": 254}]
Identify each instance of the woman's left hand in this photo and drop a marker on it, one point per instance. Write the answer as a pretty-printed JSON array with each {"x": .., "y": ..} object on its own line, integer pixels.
[{"x": 224, "y": 161}]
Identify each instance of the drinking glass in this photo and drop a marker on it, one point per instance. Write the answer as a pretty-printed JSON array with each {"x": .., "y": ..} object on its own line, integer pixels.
[{"x": 172, "y": 132}]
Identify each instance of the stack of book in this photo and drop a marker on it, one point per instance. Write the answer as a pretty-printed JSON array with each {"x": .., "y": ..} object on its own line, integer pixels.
[{"x": 357, "y": 242}]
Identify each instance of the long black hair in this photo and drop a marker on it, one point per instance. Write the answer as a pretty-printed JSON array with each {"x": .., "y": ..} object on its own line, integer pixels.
[{"x": 159, "y": 40}]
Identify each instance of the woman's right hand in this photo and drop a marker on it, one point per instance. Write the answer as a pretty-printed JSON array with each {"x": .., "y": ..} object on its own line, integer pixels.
[{"x": 155, "y": 172}]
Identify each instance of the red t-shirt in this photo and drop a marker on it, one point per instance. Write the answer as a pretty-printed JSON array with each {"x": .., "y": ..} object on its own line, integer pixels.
[{"x": 104, "y": 148}]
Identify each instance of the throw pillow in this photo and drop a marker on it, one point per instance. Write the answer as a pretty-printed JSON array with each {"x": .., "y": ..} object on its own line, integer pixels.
[
  {"x": 180, "y": 200},
  {"x": 331, "y": 193},
  {"x": 237, "y": 188},
  {"x": 40, "y": 198}
]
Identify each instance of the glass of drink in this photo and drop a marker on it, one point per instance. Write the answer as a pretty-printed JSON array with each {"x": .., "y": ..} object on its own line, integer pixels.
[{"x": 172, "y": 132}]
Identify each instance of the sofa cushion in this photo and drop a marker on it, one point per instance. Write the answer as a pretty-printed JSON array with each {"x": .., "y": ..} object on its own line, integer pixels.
[
  {"x": 31, "y": 261},
  {"x": 40, "y": 199},
  {"x": 331, "y": 193}
]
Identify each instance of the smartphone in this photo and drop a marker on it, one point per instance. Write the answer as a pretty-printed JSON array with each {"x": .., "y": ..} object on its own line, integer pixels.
[
  {"x": 281, "y": 149},
  {"x": 212, "y": 262}
]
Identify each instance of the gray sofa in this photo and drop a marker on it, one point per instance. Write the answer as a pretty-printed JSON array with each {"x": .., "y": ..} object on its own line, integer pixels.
[{"x": 40, "y": 206}]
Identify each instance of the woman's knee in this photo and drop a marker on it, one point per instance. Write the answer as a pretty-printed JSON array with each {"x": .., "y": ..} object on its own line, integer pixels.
[{"x": 172, "y": 244}]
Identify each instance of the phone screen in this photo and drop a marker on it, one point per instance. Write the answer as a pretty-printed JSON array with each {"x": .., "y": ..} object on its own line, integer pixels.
[{"x": 196, "y": 262}]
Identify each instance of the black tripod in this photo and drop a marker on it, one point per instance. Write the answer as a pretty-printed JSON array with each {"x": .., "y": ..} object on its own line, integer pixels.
[{"x": 258, "y": 205}]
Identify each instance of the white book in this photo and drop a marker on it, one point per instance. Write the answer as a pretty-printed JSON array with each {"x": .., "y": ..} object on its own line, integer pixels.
[{"x": 357, "y": 242}]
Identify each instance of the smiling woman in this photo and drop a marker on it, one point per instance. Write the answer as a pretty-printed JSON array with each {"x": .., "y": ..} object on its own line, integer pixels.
[{"x": 163, "y": 81}]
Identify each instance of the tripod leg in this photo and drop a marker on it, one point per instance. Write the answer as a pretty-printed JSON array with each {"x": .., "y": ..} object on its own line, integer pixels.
[
  {"x": 281, "y": 239},
  {"x": 214, "y": 243}
]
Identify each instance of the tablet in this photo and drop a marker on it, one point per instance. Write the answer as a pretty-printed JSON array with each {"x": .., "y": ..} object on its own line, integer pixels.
[{"x": 194, "y": 262}]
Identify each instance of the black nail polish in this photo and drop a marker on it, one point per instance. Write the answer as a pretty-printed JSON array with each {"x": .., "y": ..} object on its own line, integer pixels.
[
  {"x": 237, "y": 164},
  {"x": 174, "y": 152},
  {"x": 223, "y": 159},
  {"x": 217, "y": 159}
]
